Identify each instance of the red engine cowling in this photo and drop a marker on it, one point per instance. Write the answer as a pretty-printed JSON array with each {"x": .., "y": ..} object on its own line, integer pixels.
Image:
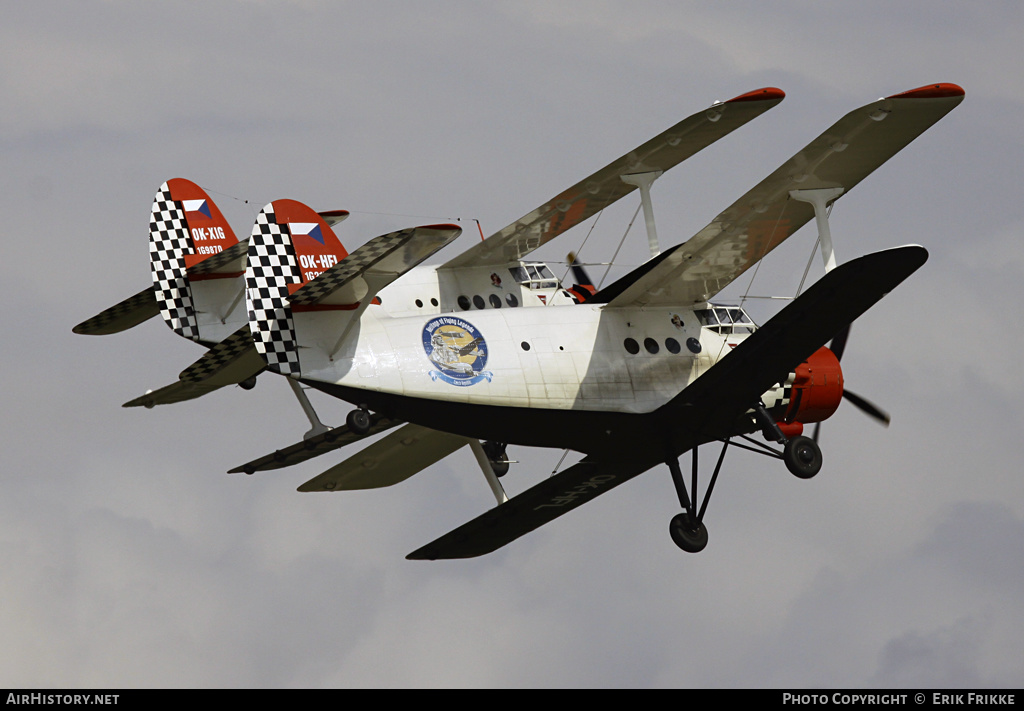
[{"x": 817, "y": 388}]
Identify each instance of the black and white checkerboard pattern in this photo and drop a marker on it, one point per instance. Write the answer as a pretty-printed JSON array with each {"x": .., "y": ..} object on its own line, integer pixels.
[
  {"x": 125, "y": 314},
  {"x": 271, "y": 267},
  {"x": 351, "y": 266},
  {"x": 221, "y": 355},
  {"x": 168, "y": 243}
]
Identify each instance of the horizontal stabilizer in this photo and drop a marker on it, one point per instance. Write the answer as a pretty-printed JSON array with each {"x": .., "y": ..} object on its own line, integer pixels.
[
  {"x": 122, "y": 316},
  {"x": 313, "y": 447},
  {"x": 766, "y": 215},
  {"x": 231, "y": 361},
  {"x": 389, "y": 461},
  {"x": 230, "y": 261},
  {"x": 374, "y": 265},
  {"x": 333, "y": 217},
  {"x": 179, "y": 391},
  {"x": 228, "y": 363}
]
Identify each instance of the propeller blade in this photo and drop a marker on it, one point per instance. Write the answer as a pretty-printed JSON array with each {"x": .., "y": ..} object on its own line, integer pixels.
[
  {"x": 868, "y": 408},
  {"x": 838, "y": 344},
  {"x": 578, "y": 272}
]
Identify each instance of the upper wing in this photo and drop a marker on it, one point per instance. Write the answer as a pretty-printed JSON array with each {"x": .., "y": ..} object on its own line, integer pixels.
[
  {"x": 706, "y": 410},
  {"x": 842, "y": 156},
  {"x": 374, "y": 265},
  {"x": 598, "y": 191}
]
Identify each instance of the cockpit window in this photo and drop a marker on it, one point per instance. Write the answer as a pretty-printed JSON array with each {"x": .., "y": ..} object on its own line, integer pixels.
[
  {"x": 726, "y": 320},
  {"x": 534, "y": 275}
]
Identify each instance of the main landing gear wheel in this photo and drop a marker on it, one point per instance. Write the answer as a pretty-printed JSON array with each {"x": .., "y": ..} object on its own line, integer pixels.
[
  {"x": 802, "y": 456},
  {"x": 690, "y": 539},
  {"x": 358, "y": 421}
]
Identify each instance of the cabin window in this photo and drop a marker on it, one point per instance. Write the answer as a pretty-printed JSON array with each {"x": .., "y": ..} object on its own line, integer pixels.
[
  {"x": 631, "y": 346},
  {"x": 495, "y": 301},
  {"x": 511, "y": 300},
  {"x": 478, "y": 301},
  {"x": 464, "y": 303},
  {"x": 672, "y": 345},
  {"x": 651, "y": 345}
]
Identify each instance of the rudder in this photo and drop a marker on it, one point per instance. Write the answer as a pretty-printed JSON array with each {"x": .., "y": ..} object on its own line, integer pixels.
[
  {"x": 290, "y": 245},
  {"x": 185, "y": 228}
]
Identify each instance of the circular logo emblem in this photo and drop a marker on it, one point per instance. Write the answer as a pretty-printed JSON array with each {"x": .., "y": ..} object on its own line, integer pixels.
[{"x": 457, "y": 350}]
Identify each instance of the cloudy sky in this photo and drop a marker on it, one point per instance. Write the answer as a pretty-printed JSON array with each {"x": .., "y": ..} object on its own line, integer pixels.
[{"x": 129, "y": 558}]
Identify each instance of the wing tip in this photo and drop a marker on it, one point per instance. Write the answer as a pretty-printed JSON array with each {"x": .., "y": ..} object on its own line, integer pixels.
[
  {"x": 931, "y": 91},
  {"x": 768, "y": 93},
  {"x": 442, "y": 227}
]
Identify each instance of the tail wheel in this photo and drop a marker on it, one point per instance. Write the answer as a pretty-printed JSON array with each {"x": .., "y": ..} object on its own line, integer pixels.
[{"x": 802, "y": 456}]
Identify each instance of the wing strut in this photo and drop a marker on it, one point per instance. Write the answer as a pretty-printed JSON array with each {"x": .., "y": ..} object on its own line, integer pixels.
[
  {"x": 485, "y": 465},
  {"x": 644, "y": 182},
  {"x": 820, "y": 199},
  {"x": 318, "y": 427}
]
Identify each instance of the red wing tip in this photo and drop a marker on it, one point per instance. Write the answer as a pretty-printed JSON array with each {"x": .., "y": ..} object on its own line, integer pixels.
[
  {"x": 334, "y": 213},
  {"x": 931, "y": 91},
  {"x": 448, "y": 226},
  {"x": 766, "y": 94}
]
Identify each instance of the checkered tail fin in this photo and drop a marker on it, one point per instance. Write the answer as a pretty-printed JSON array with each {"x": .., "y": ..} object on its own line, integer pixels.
[
  {"x": 289, "y": 246},
  {"x": 189, "y": 240}
]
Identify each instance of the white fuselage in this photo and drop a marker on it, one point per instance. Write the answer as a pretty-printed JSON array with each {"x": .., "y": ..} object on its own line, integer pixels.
[{"x": 547, "y": 352}]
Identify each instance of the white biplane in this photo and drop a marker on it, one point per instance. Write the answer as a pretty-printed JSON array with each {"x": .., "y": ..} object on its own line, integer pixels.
[{"x": 487, "y": 349}]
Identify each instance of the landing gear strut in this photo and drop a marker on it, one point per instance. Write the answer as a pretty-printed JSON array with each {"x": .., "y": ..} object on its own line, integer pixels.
[
  {"x": 801, "y": 455},
  {"x": 687, "y": 529}
]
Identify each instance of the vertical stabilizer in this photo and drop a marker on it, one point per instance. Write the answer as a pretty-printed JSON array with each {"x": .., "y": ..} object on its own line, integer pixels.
[
  {"x": 186, "y": 228},
  {"x": 289, "y": 246}
]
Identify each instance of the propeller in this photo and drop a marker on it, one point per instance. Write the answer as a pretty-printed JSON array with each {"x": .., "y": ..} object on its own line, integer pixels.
[
  {"x": 837, "y": 346},
  {"x": 584, "y": 286}
]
